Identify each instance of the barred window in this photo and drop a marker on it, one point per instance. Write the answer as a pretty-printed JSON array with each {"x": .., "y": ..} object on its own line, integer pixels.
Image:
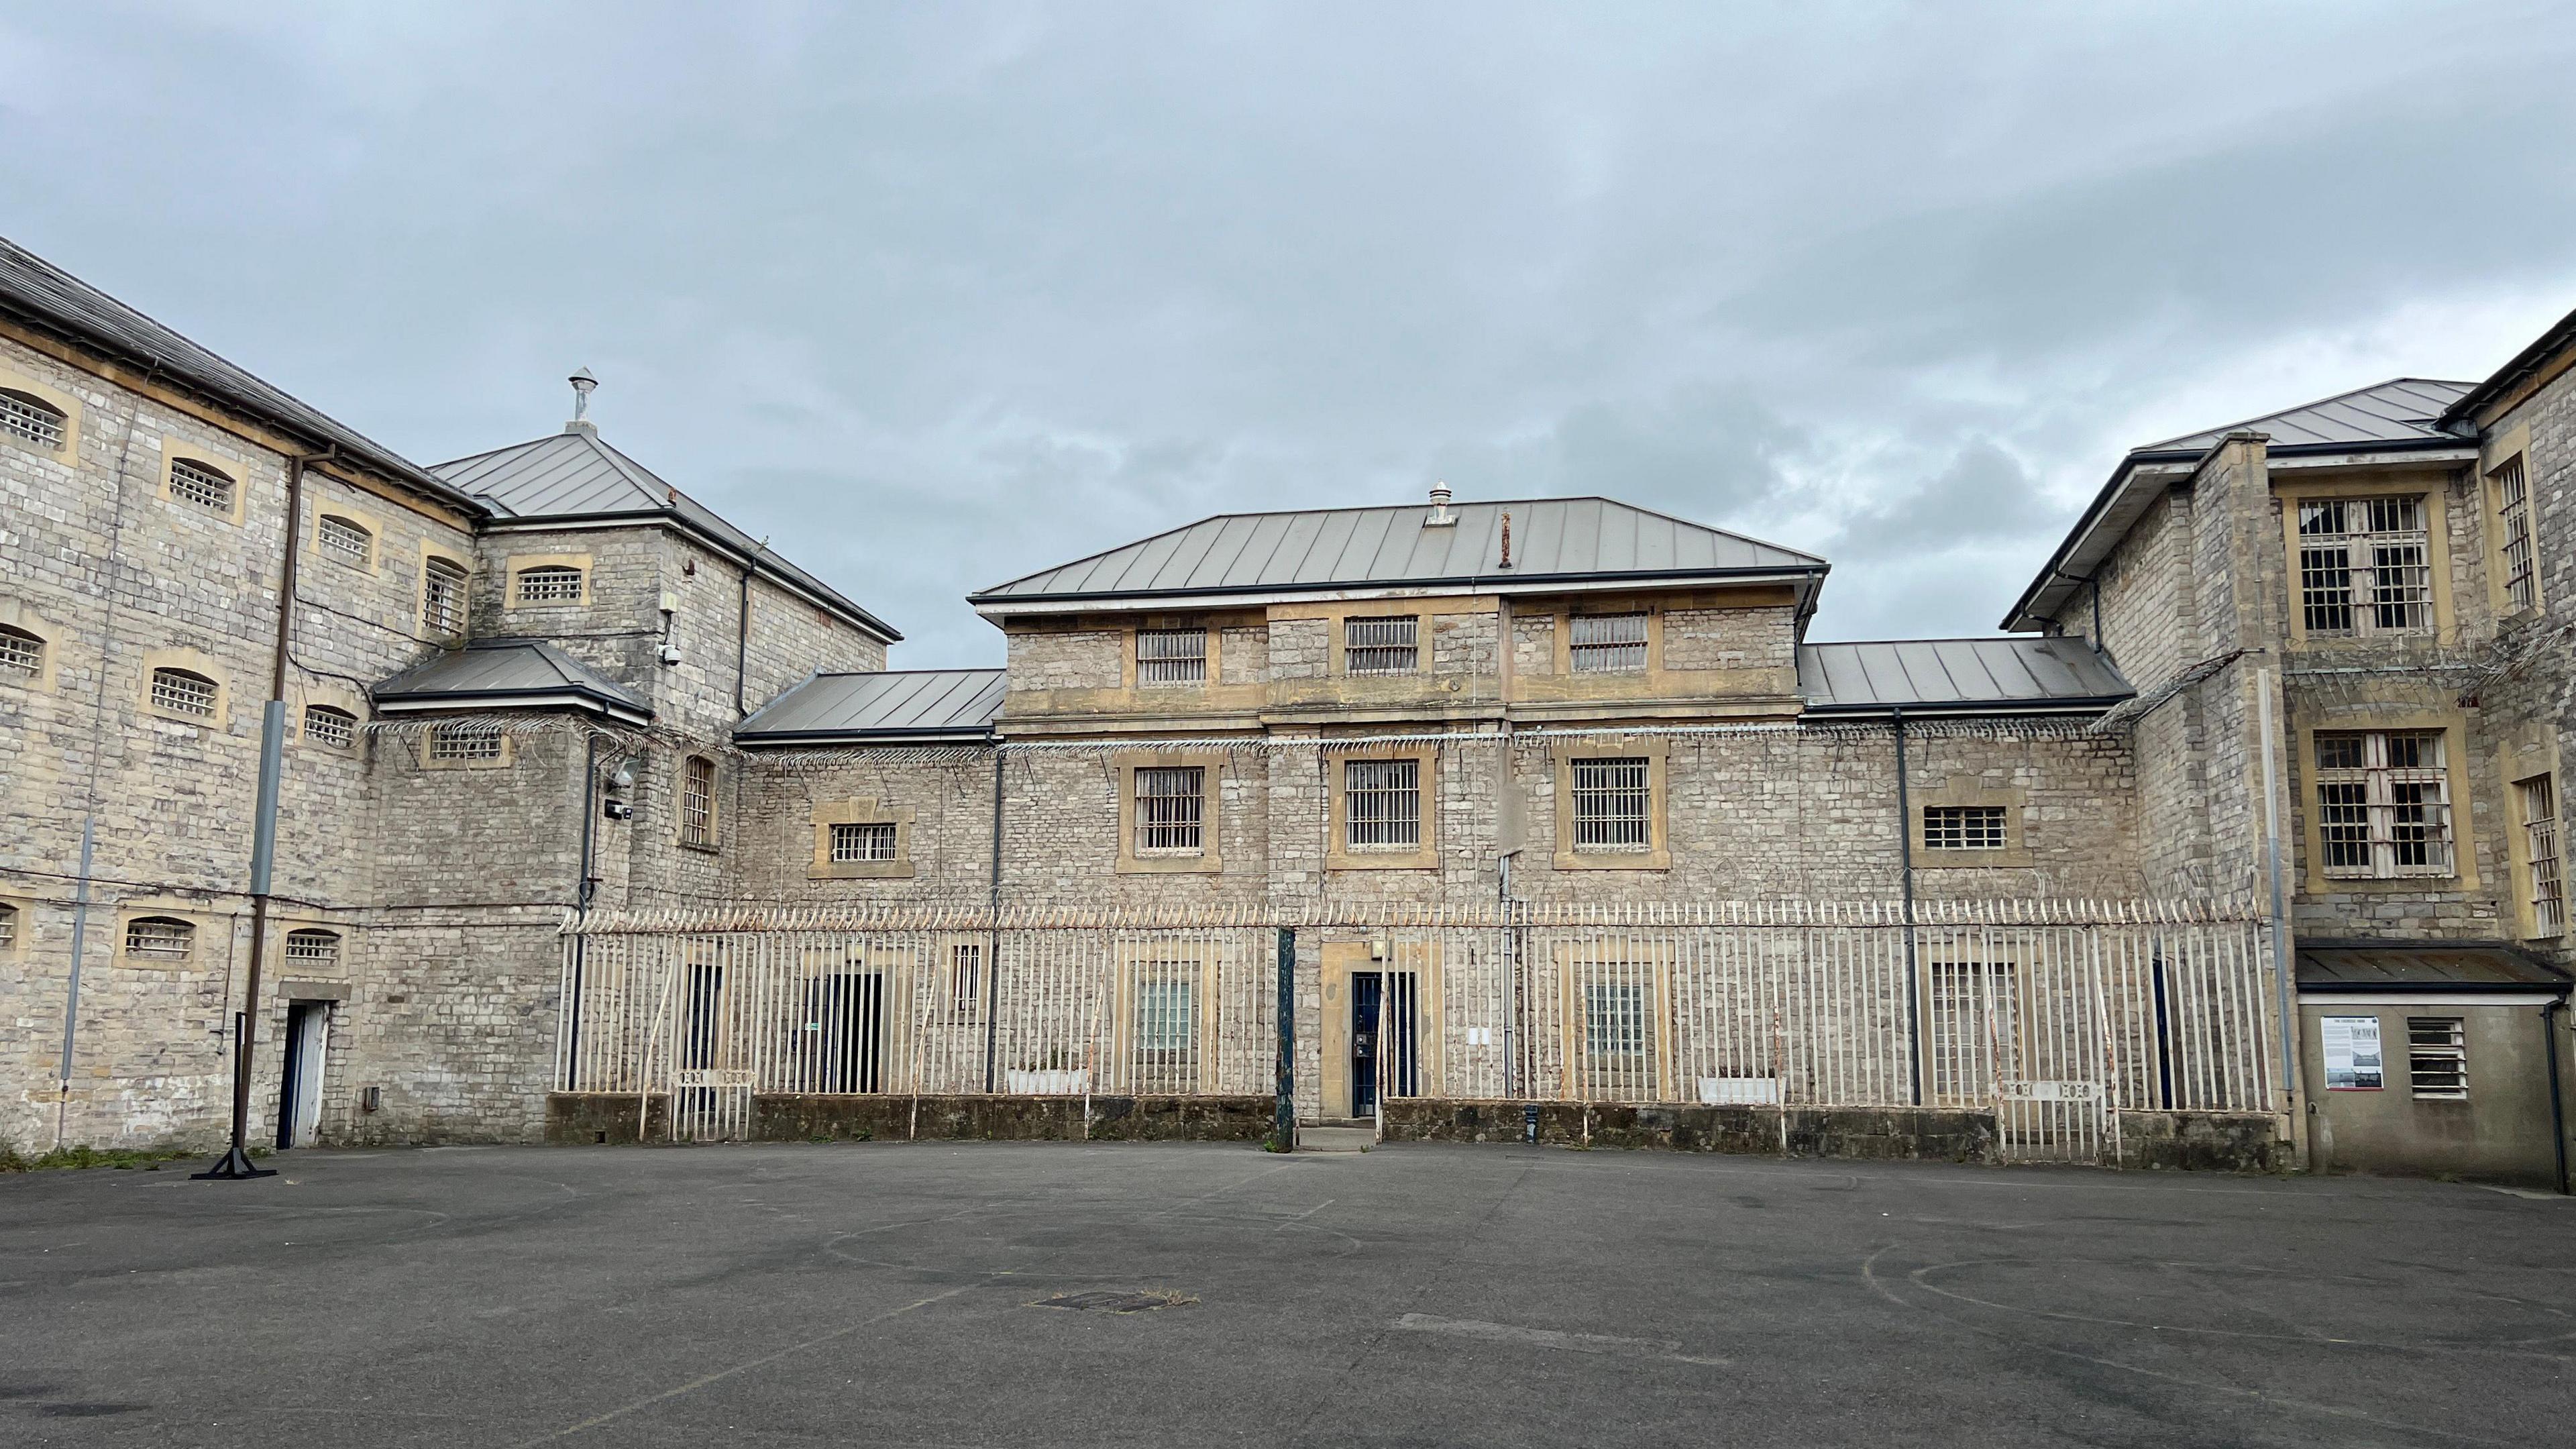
[
  {"x": 853, "y": 843},
  {"x": 21, "y": 652},
  {"x": 549, "y": 584},
  {"x": 159, "y": 938},
  {"x": 8, "y": 928},
  {"x": 2513, "y": 529},
  {"x": 181, "y": 692},
  {"x": 2365, "y": 566},
  {"x": 32, "y": 419},
  {"x": 324, "y": 725},
  {"x": 1170, "y": 806},
  {"x": 1611, "y": 806},
  {"x": 1171, "y": 656},
  {"x": 2538, "y": 798},
  {"x": 313, "y": 948},
  {"x": 344, "y": 539},
  {"x": 966, "y": 975},
  {"x": 1167, "y": 1026},
  {"x": 209, "y": 488},
  {"x": 1963, "y": 827},
  {"x": 1380, "y": 646},
  {"x": 464, "y": 743},
  {"x": 1382, "y": 804},
  {"x": 1608, "y": 643},
  {"x": 2383, "y": 804},
  {"x": 2437, "y": 1058},
  {"x": 698, "y": 801},
  {"x": 442, "y": 597}
]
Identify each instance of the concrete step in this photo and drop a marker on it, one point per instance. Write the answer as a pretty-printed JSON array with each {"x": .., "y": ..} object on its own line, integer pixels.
[{"x": 1312, "y": 1138}]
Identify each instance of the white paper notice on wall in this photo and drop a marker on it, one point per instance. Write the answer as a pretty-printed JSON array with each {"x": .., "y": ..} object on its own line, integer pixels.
[{"x": 2351, "y": 1043}]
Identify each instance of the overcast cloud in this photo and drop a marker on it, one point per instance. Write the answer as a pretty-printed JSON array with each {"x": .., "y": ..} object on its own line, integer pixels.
[{"x": 937, "y": 296}]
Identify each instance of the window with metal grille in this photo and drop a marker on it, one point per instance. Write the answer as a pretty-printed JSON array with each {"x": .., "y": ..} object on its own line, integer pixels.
[
  {"x": 1612, "y": 808},
  {"x": 1171, "y": 656},
  {"x": 2539, "y": 800},
  {"x": 31, "y": 419},
  {"x": 1963, "y": 827},
  {"x": 207, "y": 487},
  {"x": 698, "y": 801},
  {"x": 862, "y": 842},
  {"x": 324, "y": 725},
  {"x": 344, "y": 540},
  {"x": 8, "y": 928},
  {"x": 550, "y": 584},
  {"x": 1608, "y": 643},
  {"x": 1170, "y": 809},
  {"x": 181, "y": 692},
  {"x": 2365, "y": 566},
  {"x": 2513, "y": 529},
  {"x": 442, "y": 597},
  {"x": 159, "y": 938},
  {"x": 2437, "y": 1058},
  {"x": 313, "y": 948},
  {"x": 1167, "y": 1026},
  {"x": 464, "y": 742},
  {"x": 21, "y": 652},
  {"x": 966, "y": 975},
  {"x": 1382, "y": 804},
  {"x": 1381, "y": 646},
  {"x": 2383, "y": 804}
]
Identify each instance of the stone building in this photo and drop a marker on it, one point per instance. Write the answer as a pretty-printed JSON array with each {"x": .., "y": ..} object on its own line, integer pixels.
[{"x": 543, "y": 681}]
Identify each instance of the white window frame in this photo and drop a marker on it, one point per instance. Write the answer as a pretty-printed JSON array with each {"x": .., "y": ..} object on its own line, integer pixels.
[
  {"x": 2403, "y": 808},
  {"x": 2371, "y": 580},
  {"x": 858, "y": 842}
]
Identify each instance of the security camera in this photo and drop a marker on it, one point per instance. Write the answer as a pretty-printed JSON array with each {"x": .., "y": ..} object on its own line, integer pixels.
[
  {"x": 620, "y": 810},
  {"x": 670, "y": 655}
]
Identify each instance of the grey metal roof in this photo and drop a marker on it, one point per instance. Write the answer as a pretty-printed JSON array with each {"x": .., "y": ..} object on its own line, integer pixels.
[
  {"x": 575, "y": 475},
  {"x": 1552, "y": 538},
  {"x": 2422, "y": 966},
  {"x": 1957, "y": 676},
  {"x": 506, "y": 673},
  {"x": 62, "y": 303},
  {"x": 2400, "y": 410},
  {"x": 894, "y": 704}
]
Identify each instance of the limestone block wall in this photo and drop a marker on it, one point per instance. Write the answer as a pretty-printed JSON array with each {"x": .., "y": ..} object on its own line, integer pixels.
[
  {"x": 1065, "y": 659},
  {"x": 1730, "y": 639}
]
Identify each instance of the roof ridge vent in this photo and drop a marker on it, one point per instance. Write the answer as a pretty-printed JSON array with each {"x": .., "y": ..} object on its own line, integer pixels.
[
  {"x": 583, "y": 385},
  {"x": 1440, "y": 516}
]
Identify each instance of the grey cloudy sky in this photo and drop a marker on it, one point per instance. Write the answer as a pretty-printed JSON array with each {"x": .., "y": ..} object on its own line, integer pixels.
[{"x": 940, "y": 295}]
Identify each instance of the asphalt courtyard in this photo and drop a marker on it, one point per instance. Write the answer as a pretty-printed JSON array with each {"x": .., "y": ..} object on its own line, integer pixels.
[{"x": 899, "y": 1295}]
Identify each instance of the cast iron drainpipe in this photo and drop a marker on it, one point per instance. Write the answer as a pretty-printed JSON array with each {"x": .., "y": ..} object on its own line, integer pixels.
[
  {"x": 235, "y": 1164},
  {"x": 2557, "y": 1106},
  {"x": 742, "y": 631},
  {"x": 1905, "y": 871}
]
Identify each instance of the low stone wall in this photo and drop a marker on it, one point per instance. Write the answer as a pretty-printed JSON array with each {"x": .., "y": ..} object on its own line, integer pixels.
[
  {"x": 2201, "y": 1141},
  {"x": 576, "y": 1118}
]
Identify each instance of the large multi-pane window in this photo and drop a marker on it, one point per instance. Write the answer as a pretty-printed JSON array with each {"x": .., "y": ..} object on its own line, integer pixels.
[
  {"x": 1613, "y": 805},
  {"x": 1171, "y": 656},
  {"x": 698, "y": 801},
  {"x": 1382, "y": 804},
  {"x": 1170, "y": 809},
  {"x": 1608, "y": 643},
  {"x": 1963, "y": 827},
  {"x": 202, "y": 484},
  {"x": 863, "y": 842},
  {"x": 2536, "y": 800},
  {"x": 2365, "y": 566},
  {"x": 2513, "y": 530},
  {"x": 442, "y": 598},
  {"x": 1381, "y": 646},
  {"x": 181, "y": 691},
  {"x": 31, "y": 419},
  {"x": 2383, "y": 803}
]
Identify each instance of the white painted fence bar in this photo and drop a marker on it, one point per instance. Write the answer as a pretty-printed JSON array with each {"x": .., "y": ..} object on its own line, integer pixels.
[{"x": 2056, "y": 1015}]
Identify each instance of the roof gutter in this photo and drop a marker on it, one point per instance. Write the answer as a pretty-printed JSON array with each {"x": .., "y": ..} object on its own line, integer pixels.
[
  {"x": 451, "y": 701},
  {"x": 865, "y": 737},
  {"x": 998, "y": 605},
  {"x": 1920, "y": 709}
]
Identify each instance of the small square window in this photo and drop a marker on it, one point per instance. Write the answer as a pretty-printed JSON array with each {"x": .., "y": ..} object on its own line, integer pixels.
[
  {"x": 21, "y": 653},
  {"x": 181, "y": 692},
  {"x": 344, "y": 540},
  {"x": 205, "y": 486},
  {"x": 862, "y": 842},
  {"x": 1963, "y": 827},
  {"x": 334, "y": 728}
]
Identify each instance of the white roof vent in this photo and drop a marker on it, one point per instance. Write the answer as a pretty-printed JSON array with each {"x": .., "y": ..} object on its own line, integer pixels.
[
  {"x": 1440, "y": 516},
  {"x": 582, "y": 386}
]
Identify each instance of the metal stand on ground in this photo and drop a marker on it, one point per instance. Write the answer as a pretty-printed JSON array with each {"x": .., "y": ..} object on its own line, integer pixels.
[{"x": 235, "y": 1164}]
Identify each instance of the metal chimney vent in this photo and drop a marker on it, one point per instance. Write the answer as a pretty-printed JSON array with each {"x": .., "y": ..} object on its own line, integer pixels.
[
  {"x": 1440, "y": 516},
  {"x": 582, "y": 385}
]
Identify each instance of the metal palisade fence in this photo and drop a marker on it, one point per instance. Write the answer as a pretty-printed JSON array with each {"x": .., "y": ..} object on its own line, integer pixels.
[{"x": 2055, "y": 1015}]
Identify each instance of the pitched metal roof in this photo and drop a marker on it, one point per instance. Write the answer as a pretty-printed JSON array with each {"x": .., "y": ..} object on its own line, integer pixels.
[
  {"x": 904, "y": 704},
  {"x": 2400, "y": 410},
  {"x": 2352, "y": 967},
  {"x": 1552, "y": 540},
  {"x": 1958, "y": 676},
  {"x": 2403, "y": 414},
  {"x": 64, "y": 304},
  {"x": 508, "y": 674},
  {"x": 573, "y": 475},
  {"x": 2526, "y": 363}
]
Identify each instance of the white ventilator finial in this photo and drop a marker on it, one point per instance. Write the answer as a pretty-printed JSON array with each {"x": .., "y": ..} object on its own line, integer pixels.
[{"x": 583, "y": 384}]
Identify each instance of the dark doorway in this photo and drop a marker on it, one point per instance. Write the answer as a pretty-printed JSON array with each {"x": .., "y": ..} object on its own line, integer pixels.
[
  {"x": 1368, "y": 992},
  {"x": 849, "y": 1021},
  {"x": 299, "y": 1097}
]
